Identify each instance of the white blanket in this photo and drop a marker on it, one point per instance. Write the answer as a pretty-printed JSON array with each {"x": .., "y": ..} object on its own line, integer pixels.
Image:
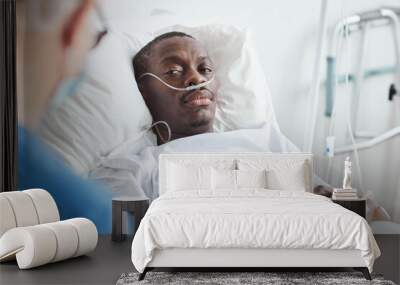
[
  {"x": 250, "y": 219},
  {"x": 132, "y": 168}
]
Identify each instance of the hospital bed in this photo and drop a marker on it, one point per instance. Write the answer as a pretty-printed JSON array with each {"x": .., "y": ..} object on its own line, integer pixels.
[{"x": 201, "y": 225}]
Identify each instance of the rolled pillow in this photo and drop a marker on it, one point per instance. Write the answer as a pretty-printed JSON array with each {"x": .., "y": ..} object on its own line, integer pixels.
[
  {"x": 45, "y": 206},
  {"x": 23, "y": 208},
  {"x": 32, "y": 246},
  {"x": 87, "y": 233},
  {"x": 7, "y": 220},
  {"x": 67, "y": 238},
  {"x": 40, "y": 244},
  {"x": 26, "y": 208}
]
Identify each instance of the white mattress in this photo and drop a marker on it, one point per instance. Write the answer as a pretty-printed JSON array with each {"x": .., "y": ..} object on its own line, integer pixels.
[{"x": 252, "y": 218}]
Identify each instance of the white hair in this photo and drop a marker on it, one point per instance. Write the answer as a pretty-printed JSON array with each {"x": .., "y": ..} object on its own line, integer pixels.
[{"x": 47, "y": 15}]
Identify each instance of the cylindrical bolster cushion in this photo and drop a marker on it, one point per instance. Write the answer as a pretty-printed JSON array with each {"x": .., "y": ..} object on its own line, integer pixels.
[
  {"x": 7, "y": 219},
  {"x": 87, "y": 234},
  {"x": 23, "y": 208},
  {"x": 26, "y": 208},
  {"x": 67, "y": 240},
  {"x": 41, "y": 244},
  {"x": 45, "y": 205},
  {"x": 33, "y": 246}
]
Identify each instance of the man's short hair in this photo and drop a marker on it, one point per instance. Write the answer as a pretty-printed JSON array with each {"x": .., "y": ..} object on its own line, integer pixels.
[{"x": 139, "y": 61}]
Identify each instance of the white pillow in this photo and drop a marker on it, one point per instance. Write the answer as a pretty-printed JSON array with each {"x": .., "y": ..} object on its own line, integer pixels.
[
  {"x": 184, "y": 178},
  {"x": 288, "y": 179},
  {"x": 281, "y": 174},
  {"x": 223, "y": 179},
  {"x": 251, "y": 178},
  {"x": 108, "y": 108},
  {"x": 106, "y": 111},
  {"x": 227, "y": 179}
]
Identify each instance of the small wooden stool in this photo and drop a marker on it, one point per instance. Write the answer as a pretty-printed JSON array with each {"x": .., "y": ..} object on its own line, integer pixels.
[{"x": 134, "y": 205}]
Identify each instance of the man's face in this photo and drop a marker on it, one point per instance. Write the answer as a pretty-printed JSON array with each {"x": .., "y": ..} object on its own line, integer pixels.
[{"x": 181, "y": 62}]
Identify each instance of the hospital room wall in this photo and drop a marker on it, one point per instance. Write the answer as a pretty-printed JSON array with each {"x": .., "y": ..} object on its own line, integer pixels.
[{"x": 285, "y": 36}]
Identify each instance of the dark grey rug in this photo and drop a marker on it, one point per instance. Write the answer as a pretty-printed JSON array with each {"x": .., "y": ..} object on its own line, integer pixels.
[{"x": 229, "y": 278}]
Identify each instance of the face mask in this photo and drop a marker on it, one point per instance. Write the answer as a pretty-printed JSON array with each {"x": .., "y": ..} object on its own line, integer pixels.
[
  {"x": 189, "y": 88},
  {"x": 67, "y": 88}
]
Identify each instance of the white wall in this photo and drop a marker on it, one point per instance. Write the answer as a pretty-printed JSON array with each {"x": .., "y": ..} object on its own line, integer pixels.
[{"x": 285, "y": 35}]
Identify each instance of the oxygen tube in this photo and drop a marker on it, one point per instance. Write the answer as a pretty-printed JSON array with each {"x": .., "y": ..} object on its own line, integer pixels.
[{"x": 189, "y": 88}]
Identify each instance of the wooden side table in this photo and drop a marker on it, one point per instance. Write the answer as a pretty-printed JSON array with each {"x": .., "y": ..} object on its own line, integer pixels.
[
  {"x": 136, "y": 206},
  {"x": 357, "y": 205}
]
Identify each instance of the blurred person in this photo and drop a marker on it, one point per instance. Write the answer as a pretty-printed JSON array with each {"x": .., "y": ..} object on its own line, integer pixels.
[{"x": 53, "y": 39}]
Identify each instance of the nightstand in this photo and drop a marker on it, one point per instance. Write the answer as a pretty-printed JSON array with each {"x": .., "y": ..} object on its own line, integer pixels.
[
  {"x": 358, "y": 205},
  {"x": 134, "y": 205}
]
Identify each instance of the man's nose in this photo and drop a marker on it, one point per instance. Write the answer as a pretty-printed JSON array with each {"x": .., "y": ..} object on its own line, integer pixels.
[{"x": 194, "y": 77}]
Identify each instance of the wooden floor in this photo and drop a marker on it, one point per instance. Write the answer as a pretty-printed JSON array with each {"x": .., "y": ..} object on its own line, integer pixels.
[
  {"x": 110, "y": 259},
  {"x": 103, "y": 266}
]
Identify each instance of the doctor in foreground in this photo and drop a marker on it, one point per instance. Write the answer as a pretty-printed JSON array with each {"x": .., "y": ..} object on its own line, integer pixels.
[{"x": 53, "y": 39}]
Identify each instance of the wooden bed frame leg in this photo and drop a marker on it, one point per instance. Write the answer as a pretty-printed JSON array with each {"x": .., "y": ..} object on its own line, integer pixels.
[
  {"x": 143, "y": 274},
  {"x": 364, "y": 271}
]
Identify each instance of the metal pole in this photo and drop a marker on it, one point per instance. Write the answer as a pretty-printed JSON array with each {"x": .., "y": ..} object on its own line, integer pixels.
[{"x": 317, "y": 74}]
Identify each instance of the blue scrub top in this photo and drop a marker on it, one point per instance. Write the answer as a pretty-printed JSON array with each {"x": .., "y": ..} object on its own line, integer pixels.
[{"x": 40, "y": 167}]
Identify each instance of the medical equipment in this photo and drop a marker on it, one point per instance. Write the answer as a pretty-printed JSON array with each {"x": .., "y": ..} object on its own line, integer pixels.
[
  {"x": 342, "y": 26},
  {"x": 370, "y": 143},
  {"x": 330, "y": 146},
  {"x": 314, "y": 92},
  {"x": 158, "y": 132},
  {"x": 189, "y": 88},
  {"x": 363, "y": 21},
  {"x": 392, "y": 92},
  {"x": 140, "y": 135}
]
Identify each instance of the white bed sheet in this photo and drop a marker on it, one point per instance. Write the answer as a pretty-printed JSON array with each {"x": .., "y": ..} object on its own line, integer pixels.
[
  {"x": 132, "y": 168},
  {"x": 252, "y": 218}
]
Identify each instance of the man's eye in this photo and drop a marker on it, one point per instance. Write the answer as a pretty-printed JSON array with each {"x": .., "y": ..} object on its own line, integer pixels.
[
  {"x": 206, "y": 70},
  {"x": 173, "y": 72}
]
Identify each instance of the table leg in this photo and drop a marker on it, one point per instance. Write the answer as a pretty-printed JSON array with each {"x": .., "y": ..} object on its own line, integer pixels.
[
  {"x": 139, "y": 212},
  {"x": 116, "y": 221}
]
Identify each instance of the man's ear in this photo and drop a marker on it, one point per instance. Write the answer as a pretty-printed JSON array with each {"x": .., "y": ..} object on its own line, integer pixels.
[{"x": 75, "y": 22}]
